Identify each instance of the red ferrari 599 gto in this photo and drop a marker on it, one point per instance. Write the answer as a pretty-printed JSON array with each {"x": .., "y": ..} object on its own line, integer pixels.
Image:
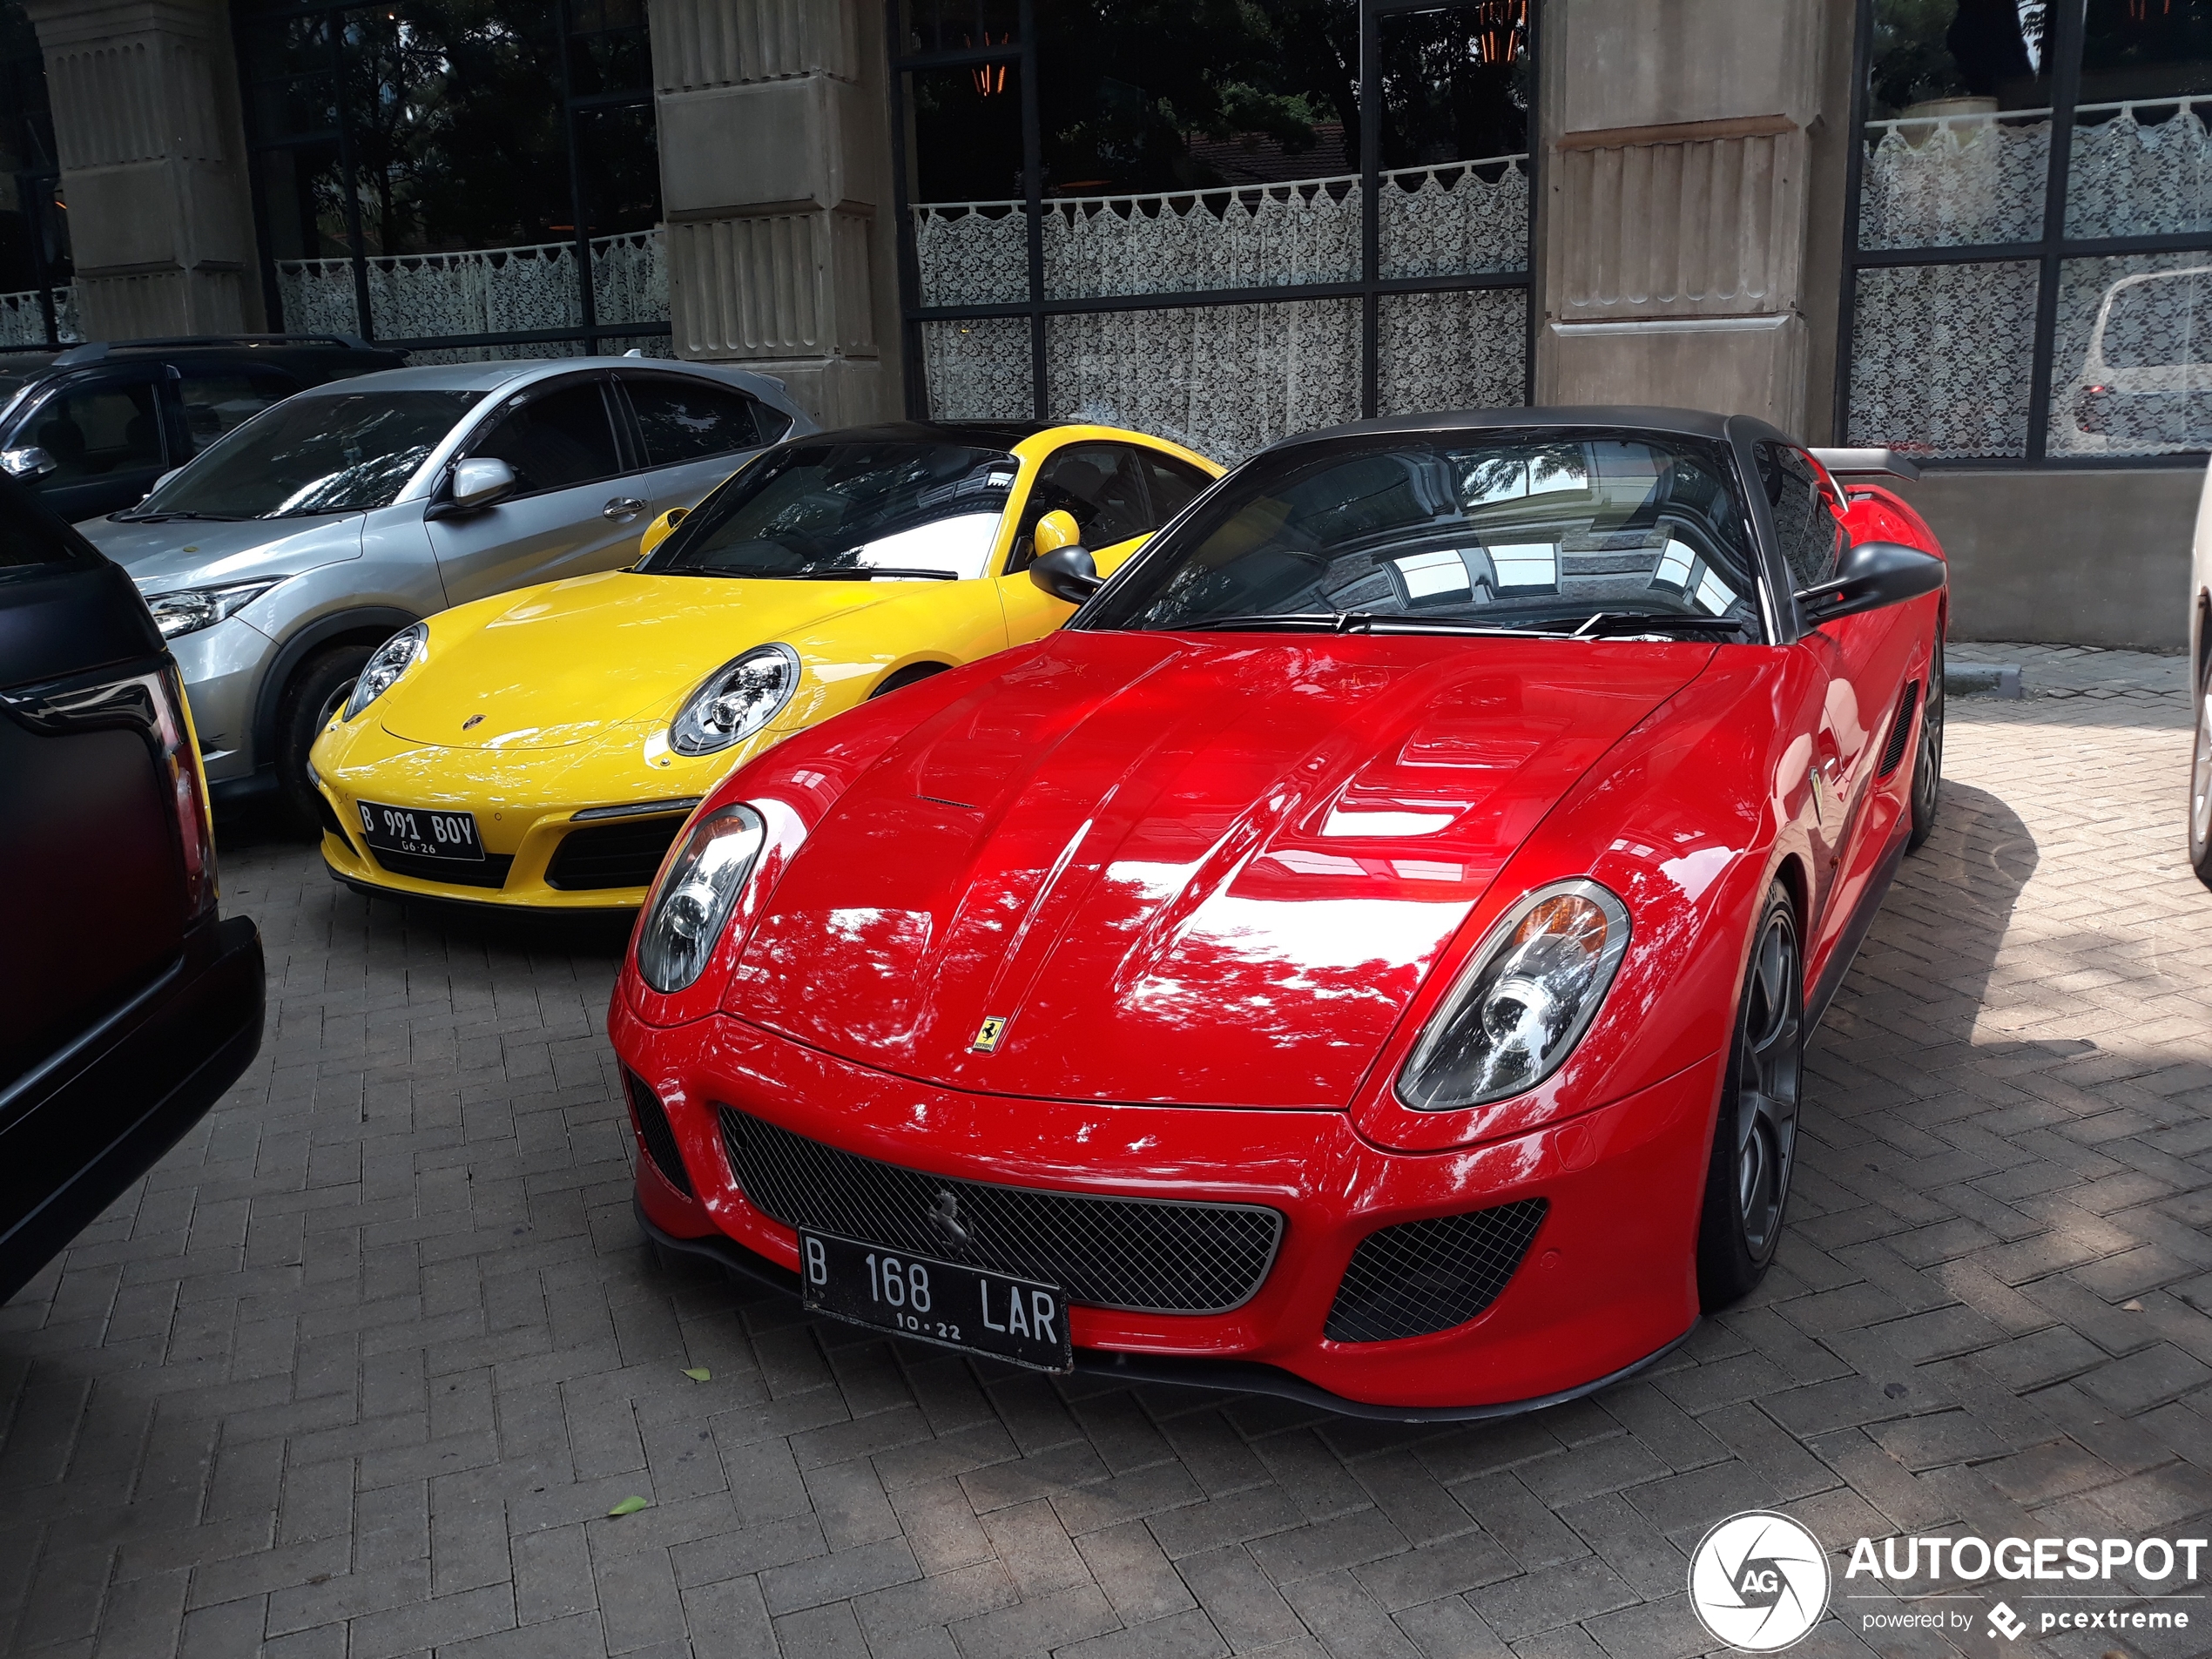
[{"x": 1367, "y": 955}]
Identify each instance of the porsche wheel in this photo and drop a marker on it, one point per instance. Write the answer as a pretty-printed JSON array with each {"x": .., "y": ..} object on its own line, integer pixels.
[
  {"x": 1755, "y": 1138},
  {"x": 1927, "y": 758},
  {"x": 2201, "y": 782}
]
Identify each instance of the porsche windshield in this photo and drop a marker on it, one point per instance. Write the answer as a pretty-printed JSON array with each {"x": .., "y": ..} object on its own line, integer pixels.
[
  {"x": 1591, "y": 532},
  {"x": 342, "y": 452},
  {"x": 852, "y": 511}
]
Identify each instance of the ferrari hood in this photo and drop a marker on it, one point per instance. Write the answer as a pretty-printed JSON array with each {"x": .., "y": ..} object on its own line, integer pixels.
[
  {"x": 1150, "y": 867},
  {"x": 563, "y": 663}
]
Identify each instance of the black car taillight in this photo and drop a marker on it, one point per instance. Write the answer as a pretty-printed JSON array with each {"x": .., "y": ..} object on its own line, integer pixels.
[{"x": 187, "y": 788}]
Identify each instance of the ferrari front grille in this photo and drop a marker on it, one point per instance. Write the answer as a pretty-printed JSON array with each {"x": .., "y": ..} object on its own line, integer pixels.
[
  {"x": 1424, "y": 1275},
  {"x": 453, "y": 873},
  {"x": 1137, "y": 1255},
  {"x": 611, "y": 855},
  {"x": 652, "y": 1118},
  {"x": 1901, "y": 728}
]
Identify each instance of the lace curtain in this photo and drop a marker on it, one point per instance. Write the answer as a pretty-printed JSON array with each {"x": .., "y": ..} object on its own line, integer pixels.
[
  {"x": 481, "y": 292},
  {"x": 22, "y": 321},
  {"x": 1452, "y": 351},
  {"x": 1941, "y": 358},
  {"x": 1953, "y": 180},
  {"x": 2128, "y": 178}
]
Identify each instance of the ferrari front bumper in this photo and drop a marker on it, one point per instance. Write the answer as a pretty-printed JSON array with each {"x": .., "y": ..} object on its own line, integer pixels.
[{"x": 1607, "y": 1282}]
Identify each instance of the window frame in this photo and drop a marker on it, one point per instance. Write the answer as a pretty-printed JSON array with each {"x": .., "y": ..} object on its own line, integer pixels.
[
  {"x": 1369, "y": 288},
  {"x": 2049, "y": 252}
]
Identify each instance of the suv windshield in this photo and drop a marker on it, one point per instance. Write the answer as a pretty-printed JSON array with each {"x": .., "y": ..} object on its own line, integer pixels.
[
  {"x": 855, "y": 511},
  {"x": 1554, "y": 532},
  {"x": 343, "y": 452}
]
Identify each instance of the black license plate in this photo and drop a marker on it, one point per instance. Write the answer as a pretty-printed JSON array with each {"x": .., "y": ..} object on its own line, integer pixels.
[
  {"x": 1016, "y": 1319},
  {"x": 419, "y": 831}
]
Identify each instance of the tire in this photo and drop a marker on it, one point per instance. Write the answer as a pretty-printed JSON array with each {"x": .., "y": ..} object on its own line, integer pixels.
[
  {"x": 914, "y": 674},
  {"x": 1755, "y": 1131},
  {"x": 2200, "y": 780},
  {"x": 1927, "y": 756},
  {"x": 316, "y": 690}
]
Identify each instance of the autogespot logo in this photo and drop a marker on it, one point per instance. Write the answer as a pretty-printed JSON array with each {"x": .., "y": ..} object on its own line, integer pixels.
[{"x": 1758, "y": 1581}]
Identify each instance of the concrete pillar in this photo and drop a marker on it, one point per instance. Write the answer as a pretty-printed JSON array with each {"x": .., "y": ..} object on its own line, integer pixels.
[
  {"x": 775, "y": 158},
  {"x": 145, "y": 96},
  {"x": 1688, "y": 253}
]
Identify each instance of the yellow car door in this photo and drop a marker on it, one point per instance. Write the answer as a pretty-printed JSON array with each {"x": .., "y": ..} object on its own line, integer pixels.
[{"x": 1100, "y": 485}]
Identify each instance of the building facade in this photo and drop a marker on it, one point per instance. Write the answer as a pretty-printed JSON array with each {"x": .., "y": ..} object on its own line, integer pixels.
[{"x": 1978, "y": 231}]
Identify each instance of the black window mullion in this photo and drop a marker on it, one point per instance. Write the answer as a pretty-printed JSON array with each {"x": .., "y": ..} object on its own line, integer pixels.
[
  {"x": 360, "y": 249},
  {"x": 1033, "y": 202},
  {"x": 913, "y": 394},
  {"x": 1862, "y": 56},
  {"x": 588, "y": 310},
  {"x": 1370, "y": 209},
  {"x": 2065, "y": 86}
]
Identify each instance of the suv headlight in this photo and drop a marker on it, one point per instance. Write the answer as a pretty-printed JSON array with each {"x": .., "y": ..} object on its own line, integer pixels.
[
  {"x": 736, "y": 700},
  {"x": 692, "y": 902},
  {"x": 1522, "y": 1001},
  {"x": 392, "y": 658},
  {"x": 189, "y": 610}
]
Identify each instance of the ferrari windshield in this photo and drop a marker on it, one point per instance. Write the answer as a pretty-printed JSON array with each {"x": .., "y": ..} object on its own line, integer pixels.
[
  {"x": 851, "y": 510},
  {"x": 343, "y": 452},
  {"x": 1564, "y": 532}
]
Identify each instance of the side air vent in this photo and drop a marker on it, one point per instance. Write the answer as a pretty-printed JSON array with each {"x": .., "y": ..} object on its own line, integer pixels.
[
  {"x": 604, "y": 856},
  {"x": 1901, "y": 728},
  {"x": 646, "y": 1111},
  {"x": 1426, "y": 1276}
]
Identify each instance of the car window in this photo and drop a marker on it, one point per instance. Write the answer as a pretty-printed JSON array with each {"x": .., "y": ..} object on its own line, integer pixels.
[
  {"x": 216, "y": 403},
  {"x": 93, "y": 432},
  {"x": 555, "y": 440},
  {"x": 1811, "y": 540},
  {"x": 689, "y": 420},
  {"x": 1175, "y": 485},
  {"x": 1098, "y": 485}
]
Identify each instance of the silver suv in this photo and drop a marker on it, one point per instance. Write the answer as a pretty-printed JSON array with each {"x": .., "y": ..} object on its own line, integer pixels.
[{"x": 279, "y": 558}]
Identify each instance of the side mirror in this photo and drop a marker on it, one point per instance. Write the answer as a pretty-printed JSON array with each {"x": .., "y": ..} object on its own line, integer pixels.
[
  {"x": 1061, "y": 567},
  {"x": 477, "y": 482},
  {"x": 657, "y": 532},
  {"x": 1875, "y": 574},
  {"x": 30, "y": 462}
]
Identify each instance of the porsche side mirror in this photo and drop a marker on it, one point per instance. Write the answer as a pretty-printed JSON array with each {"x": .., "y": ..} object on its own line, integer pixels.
[
  {"x": 1875, "y": 574},
  {"x": 1062, "y": 567},
  {"x": 658, "y": 531},
  {"x": 477, "y": 482}
]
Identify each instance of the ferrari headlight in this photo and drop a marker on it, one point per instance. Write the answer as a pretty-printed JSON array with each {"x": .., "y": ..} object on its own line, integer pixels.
[
  {"x": 392, "y": 658},
  {"x": 737, "y": 700},
  {"x": 187, "y": 610},
  {"x": 1522, "y": 1001},
  {"x": 690, "y": 904}
]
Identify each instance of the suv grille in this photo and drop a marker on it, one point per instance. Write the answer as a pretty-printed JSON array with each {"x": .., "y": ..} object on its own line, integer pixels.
[
  {"x": 1140, "y": 1255},
  {"x": 452, "y": 872},
  {"x": 651, "y": 1119},
  {"x": 1424, "y": 1275},
  {"x": 611, "y": 855}
]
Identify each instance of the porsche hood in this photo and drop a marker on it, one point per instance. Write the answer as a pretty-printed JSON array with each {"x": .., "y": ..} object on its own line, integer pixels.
[{"x": 1152, "y": 867}]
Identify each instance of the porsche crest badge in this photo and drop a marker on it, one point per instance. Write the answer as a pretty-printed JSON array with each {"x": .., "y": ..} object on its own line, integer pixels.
[{"x": 987, "y": 1038}]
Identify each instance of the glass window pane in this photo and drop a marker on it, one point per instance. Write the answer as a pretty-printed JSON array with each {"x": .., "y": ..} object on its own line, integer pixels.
[
  {"x": 618, "y": 161},
  {"x": 964, "y": 148},
  {"x": 1254, "y": 237},
  {"x": 687, "y": 421},
  {"x": 1957, "y": 140},
  {"x": 1175, "y": 484},
  {"x": 608, "y": 49},
  {"x": 2141, "y": 163},
  {"x": 2131, "y": 368},
  {"x": 216, "y": 404},
  {"x": 956, "y": 26},
  {"x": 98, "y": 431},
  {"x": 978, "y": 370},
  {"x": 555, "y": 441},
  {"x": 1941, "y": 358},
  {"x": 1452, "y": 351},
  {"x": 1811, "y": 541},
  {"x": 1457, "y": 85},
  {"x": 303, "y": 201},
  {"x": 1224, "y": 380}
]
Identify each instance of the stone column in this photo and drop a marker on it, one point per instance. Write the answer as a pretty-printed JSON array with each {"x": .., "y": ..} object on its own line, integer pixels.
[
  {"x": 144, "y": 95},
  {"x": 775, "y": 158},
  {"x": 1689, "y": 148}
]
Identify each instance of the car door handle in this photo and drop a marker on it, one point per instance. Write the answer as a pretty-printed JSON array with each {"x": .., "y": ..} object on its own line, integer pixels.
[{"x": 622, "y": 507}]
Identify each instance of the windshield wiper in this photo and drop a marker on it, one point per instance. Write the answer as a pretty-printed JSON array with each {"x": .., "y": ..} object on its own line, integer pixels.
[
  {"x": 163, "y": 518},
  {"x": 314, "y": 512}
]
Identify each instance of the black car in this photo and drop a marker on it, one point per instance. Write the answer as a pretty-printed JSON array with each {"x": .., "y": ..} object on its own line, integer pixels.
[
  {"x": 128, "y": 1004},
  {"x": 90, "y": 428}
]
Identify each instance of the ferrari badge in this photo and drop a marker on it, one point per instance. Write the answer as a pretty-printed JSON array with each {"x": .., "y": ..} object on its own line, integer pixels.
[{"x": 986, "y": 1039}]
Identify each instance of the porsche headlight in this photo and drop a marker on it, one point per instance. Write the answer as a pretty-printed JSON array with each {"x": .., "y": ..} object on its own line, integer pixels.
[
  {"x": 392, "y": 658},
  {"x": 187, "y": 610},
  {"x": 1522, "y": 1001},
  {"x": 737, "y": 700},
  {"x": 690, "y": 904}
]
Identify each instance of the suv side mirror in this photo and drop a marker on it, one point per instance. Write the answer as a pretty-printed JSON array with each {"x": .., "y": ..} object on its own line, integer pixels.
[
  {"x": 1875, "y": 574},
  {"x": 1061, "y": 566},
  {"x": 30, "y": 462},
  {"x": 477, "y": 482}
]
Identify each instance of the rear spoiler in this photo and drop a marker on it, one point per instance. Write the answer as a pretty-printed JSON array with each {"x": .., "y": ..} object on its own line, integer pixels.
[{"x": 1847, "y": 463}]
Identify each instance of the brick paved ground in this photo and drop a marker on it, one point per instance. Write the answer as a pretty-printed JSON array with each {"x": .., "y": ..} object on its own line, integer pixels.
[{"x": 360, "y": 1368}]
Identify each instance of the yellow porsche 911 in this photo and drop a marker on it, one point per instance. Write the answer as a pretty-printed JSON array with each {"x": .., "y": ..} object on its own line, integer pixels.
[{"x": 541, "y": 748}]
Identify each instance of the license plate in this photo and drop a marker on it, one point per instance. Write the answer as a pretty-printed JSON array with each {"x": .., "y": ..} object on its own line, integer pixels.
[
  {"x": 418, "y": 831},
  {"x": 1015, "y": 1319}
]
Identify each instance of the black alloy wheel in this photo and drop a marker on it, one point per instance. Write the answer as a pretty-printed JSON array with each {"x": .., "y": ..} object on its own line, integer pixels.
[
  {"x": 1927, "y": 755},
  {"x": 1755, "y": 1134},
  {"x": 2200, "y": 779},
  {"x": 315, "y": 695}
]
